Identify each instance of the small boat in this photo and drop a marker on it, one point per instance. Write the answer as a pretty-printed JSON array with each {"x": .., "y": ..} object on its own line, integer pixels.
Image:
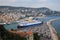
[
  {"x": 2, "y": 23},
  {"x": 8, "y": 23}
]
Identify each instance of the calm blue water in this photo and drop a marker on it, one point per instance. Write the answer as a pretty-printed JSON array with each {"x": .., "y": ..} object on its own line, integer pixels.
[
  {"x": 11, "y": 26},
  {"x": 56, "y": 24}
]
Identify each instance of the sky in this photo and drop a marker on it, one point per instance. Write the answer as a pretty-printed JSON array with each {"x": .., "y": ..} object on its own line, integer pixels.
[{"x": 52, "y": 4}]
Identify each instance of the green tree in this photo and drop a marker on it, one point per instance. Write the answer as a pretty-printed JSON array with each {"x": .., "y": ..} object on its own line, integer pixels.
[{"x": 36, "y": 37}]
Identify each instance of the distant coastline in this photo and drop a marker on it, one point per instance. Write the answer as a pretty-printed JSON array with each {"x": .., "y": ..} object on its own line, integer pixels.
[{"x": 52, "y": 29}]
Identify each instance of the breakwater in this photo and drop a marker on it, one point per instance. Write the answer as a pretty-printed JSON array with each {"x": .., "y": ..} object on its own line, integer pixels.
[{"x": 54, "y": 34}]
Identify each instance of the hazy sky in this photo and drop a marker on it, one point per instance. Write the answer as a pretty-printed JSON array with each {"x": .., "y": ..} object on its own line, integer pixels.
[{"x": 52, "y": 4}]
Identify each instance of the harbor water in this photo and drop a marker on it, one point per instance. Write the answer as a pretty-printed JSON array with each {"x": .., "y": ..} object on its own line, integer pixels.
[{"x": 55, "y": 24}]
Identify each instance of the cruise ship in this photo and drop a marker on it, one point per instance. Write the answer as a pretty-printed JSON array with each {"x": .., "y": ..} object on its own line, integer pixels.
[{"x": 29, "y": 23}]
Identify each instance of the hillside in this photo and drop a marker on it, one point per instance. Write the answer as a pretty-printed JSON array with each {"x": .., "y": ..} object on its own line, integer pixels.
[{"x": 28, "y": 11}]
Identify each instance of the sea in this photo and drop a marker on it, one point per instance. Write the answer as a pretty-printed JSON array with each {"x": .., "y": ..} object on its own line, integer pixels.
[{"x": 55, "y": 24}]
